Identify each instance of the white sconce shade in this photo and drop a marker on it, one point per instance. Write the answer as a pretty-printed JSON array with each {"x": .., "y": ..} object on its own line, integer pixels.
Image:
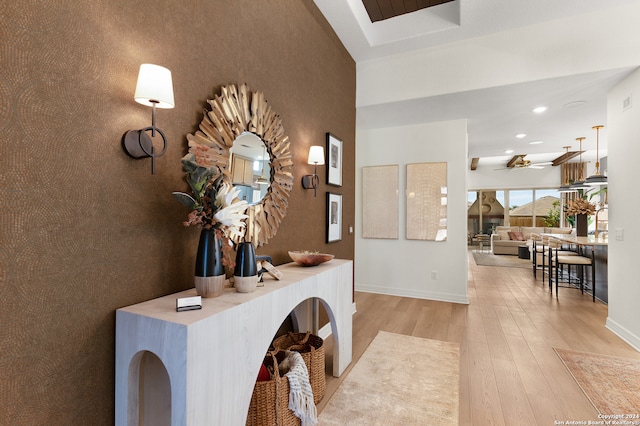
[
  {"x": 154, "y": 86},
  {"x": 316, "y": 155},
  {"x": 154, "y": 89}
]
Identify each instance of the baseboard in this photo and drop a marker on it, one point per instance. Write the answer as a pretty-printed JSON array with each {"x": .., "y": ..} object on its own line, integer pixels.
[
  {"x": 325, "y": 331},
  {"x": 441, "y": 297},
  {"x": 623, "y": 333}
]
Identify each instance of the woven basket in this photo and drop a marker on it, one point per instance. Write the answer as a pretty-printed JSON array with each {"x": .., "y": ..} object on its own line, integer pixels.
[
  {"x": 270, "y": 400},
  {"x": 311, "y": 347}
]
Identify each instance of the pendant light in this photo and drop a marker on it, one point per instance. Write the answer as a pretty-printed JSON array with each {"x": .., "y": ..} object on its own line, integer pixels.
[
  {"x": 579, "y": 184},
  {"x": 566, "y": 186},
  {"x": 262, "y": 180},
  {"x": 596, "y": 179}
]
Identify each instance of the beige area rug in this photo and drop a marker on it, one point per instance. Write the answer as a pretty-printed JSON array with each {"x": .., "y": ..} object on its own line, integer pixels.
[
  {"x": 399, "y": 380},
  {"x": 510, "y": 261},
  {"x": 611, "y": 383}
]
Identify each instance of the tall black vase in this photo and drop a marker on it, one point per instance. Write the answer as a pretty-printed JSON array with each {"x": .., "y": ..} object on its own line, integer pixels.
[
  {"x": 245, "y": 274},
  {"x": 209, "y": 273},
  {"x": 582, "y": 225}
]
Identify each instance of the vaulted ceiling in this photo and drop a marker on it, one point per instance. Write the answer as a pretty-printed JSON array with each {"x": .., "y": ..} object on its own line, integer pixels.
[{"x": 494, "y": 115}]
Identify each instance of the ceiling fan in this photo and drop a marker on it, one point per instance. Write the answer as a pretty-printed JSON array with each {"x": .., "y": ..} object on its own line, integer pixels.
[{"x": 519, "y": 162}]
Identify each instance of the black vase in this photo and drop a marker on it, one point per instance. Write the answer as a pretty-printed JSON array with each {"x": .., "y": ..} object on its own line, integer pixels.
[
  {"x": 582, "y": 225},
  {"x": 245, "y": 274},
  {"x": 209, "y": 257},
  {"x": 209, "y": 274}
]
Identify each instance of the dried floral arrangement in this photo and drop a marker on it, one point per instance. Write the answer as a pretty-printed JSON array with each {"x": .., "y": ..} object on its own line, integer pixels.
[
  {"x": 580, "y": 206},
  {"x": 214, "y": 202}
]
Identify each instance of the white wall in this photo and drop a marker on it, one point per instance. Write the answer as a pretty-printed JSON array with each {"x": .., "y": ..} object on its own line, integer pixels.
[
  {"x": 488, "y": 178},
  {"x": 624, "y": 210},
  {"x": 403, "y": 267}
]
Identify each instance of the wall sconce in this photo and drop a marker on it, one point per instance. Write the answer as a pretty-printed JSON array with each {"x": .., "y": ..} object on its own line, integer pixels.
[
  {"x": 316, "y": 157},
  {"x": 154, "y": 89}
]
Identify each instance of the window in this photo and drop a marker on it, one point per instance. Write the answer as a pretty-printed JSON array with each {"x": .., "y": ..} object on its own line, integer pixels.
[{"x": 526, "y": 207}]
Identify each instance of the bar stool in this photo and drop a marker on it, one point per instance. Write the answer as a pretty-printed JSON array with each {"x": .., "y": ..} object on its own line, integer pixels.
[
  {"x": 579, "y": 260},
  {"x": 538, "y": 248},
  {"x": 540, "y": 257}
]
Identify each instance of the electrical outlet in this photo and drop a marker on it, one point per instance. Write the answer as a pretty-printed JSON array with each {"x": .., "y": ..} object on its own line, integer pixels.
[
  {"x": 434, "y": 275},
  {"x": 619, "y": 234}
]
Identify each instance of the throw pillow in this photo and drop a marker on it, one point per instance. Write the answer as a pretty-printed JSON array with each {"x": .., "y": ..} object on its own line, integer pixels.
[{"x": 516, "y": 236}]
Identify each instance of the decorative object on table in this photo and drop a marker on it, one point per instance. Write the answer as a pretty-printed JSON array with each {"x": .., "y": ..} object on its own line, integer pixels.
[
  {"x": 215, "y": 208},
  {"x": 270, "y": 399},
  {"x": 235, "y": 112},
  {"x": 581, "y": 209},
  {"x": 311, "y": 347},
  {"x": 334, "y": 160},
  {"x": 272, "y": 270},
  {"x": 261, "y": 260},
  {"x": 188, "y": 303},
  {"x": 582, "y": 225},
  {"x": 380, "y": 202},
  {"x": 245, "y": 275},
  {"x": 334, "y": 217},
  {"x": 426, "y": 203},
  {"x": 210, "y": 274},
  {"x": 309, "y": 258}
]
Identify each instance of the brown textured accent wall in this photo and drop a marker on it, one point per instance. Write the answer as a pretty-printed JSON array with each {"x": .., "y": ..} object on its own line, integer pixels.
[{"x": 85, "y": 229}]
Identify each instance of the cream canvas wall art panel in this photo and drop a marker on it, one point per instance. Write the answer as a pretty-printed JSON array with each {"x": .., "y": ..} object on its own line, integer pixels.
[
  {"x": 380, "y": 202},
  {"x": 427, "y": 201}
]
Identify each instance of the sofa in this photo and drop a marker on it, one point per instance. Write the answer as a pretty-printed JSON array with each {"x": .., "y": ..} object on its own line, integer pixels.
[{"x": 507, "y": 239}]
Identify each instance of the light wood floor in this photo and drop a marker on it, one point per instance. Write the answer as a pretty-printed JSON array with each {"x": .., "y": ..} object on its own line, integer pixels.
[{"x": 509, "y": 372}]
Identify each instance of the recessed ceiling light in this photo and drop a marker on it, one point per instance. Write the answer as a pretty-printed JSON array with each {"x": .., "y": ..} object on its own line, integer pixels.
[
  {"x": 539, "y": 110},
  {"x": 536, "y": 142},
  {"x": 509, "y": 151},
  {"x": 521, "y": 135}
]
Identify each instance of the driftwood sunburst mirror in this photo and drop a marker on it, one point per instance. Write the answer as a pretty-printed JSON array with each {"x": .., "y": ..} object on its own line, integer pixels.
[{"x": 236, "y": 111}]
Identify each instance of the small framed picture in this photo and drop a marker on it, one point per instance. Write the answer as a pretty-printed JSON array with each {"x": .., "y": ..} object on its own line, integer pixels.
[
  {"x": 334, "y": 217},
  {"x": 334, "y": 160}
]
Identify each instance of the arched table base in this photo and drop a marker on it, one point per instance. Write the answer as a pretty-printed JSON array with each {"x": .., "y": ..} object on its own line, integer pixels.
[{"x": 212, "y": 356}]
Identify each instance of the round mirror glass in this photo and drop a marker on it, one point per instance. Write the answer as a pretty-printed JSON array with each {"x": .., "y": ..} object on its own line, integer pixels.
[{"x": 250, "y": 172}]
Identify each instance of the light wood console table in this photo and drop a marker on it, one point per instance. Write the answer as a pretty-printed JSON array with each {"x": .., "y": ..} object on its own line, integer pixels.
[{"x": 199, "y": 367}]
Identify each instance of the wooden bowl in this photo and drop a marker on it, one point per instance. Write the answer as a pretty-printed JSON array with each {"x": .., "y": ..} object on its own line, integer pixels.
[{"x": 308, "y": 258}]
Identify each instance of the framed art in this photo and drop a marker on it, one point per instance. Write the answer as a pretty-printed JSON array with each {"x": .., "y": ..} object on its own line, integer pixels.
[
  {"x": 380, "y": 202},
  {"x": 334, "y": 160},
  {"x": 334, "y": 217},
  {"x": 427, "y": 201}
]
